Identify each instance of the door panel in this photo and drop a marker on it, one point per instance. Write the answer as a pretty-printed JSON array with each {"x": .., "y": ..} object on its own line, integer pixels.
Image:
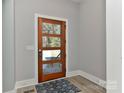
[
  {"x": 51, "y": 55},
  {"x": 49, "y": 28},
  {"x": 51, "y": 41},
  {"x": 52, "y": 68},
  {"x": 51, "y": 49}
]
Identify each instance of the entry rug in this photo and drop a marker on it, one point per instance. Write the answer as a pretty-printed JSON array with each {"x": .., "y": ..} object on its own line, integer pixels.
[{"x": 57, "y": 86}]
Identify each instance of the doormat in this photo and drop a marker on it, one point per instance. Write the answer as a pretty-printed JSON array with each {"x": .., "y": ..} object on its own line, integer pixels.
[{"x": 57, "y": 86}]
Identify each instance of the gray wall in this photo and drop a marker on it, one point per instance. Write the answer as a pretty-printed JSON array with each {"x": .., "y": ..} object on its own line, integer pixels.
[
  {"x": 24, "y": 31},
  {"x": 114, "y": 45},
  {"x": 8, "y": 45},
  {"x": 86, "y": 41},
  {"x": 93, "y": 38}
]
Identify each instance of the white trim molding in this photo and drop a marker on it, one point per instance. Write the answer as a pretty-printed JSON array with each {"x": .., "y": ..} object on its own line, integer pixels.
[
  {"x": 36, "y": 40},
  {"x": 72, "y": 73},
  {"x": 25, "y": 83},
  {"x": 93, "y": 78},
  {"x": 12, "y": 91},
  {"x": 96, "y": 80}
]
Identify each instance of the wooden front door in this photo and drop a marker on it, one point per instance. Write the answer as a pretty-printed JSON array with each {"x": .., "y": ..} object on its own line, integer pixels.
[{"x": 51, "y": 49}]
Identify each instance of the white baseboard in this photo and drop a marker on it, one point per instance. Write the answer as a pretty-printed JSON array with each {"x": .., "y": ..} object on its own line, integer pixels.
[
  {"x": 93, "y": 78},
  {"x": 24, "y": 83},
  {"x": 12, "y": 91},
  {"x": 72, "y": 73},
  {"x": 88, "y": 76}
]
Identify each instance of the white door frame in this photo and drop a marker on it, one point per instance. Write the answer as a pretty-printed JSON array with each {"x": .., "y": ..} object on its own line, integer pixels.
[{"x": 36, "y": 41}]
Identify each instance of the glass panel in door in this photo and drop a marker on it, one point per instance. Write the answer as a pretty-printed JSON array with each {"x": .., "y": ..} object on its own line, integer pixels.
[
  {"x": 49, "y": 28},
  {"x": 51, "y": 55},
  {"x": 52, "y": 68},
  {"x": 51, "y": 41}
]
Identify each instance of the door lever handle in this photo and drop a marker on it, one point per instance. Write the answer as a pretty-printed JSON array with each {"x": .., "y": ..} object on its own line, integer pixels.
[
  {"x": 40, "y": 53},
  {"x": 39, "y": 50}
]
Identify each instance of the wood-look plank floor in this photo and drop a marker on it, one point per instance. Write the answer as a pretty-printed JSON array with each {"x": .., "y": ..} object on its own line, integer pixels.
[{"x": 83, "y": 84}]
